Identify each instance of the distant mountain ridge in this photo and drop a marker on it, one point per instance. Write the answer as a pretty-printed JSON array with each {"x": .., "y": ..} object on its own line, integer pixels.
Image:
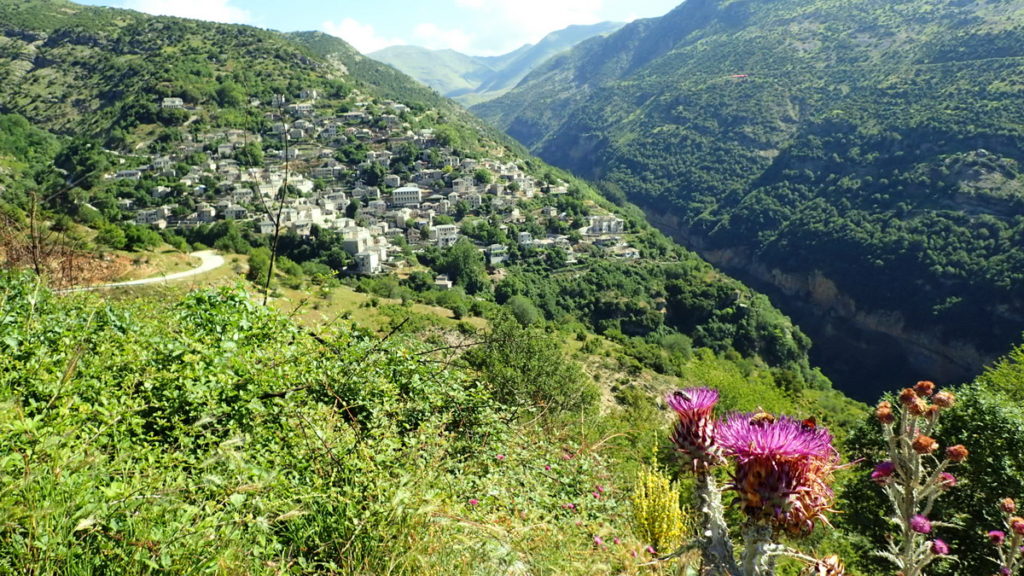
[
  {"x": 860, "y": 159},
  {"x": 472, "y": 79}
]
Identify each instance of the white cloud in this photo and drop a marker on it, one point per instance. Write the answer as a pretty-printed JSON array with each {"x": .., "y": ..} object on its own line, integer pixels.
[
  {"x": 363, "y": 36},
  {"x": 512, "y": 23},
  {"x": 432, "y": 36},
  {"x": 212, "y": 10}
]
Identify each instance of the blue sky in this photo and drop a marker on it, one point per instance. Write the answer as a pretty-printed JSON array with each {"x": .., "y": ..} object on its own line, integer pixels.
[{"x": 478, "y": 27}]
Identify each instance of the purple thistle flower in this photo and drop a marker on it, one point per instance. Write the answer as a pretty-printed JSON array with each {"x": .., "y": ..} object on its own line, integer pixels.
[
  {"x": 883, "y": 471},
  {"x": 939, "y": 547},
  {"x": 920, "y": 524},
  {"x": 946, "y": 480},
  {"x": 783, "y": 468},
  {"x": 744, "y": 437},
  {"x": 996, "y": 537},
  {"x": 694, "y": 433},
  {"x": 1004, "y": 571}
]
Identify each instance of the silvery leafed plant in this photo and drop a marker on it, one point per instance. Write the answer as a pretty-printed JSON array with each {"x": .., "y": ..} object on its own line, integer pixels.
[{"x": 914, "y": 477}]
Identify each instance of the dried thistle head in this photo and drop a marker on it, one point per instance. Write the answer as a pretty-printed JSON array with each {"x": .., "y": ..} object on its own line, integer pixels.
[
  {"x": 957, "y": 453},
  {"x": 924, "y": 444},
  {"x": 908, "y": 396},
  {"x": 924, "y": 388},
  {"x": 884, "y": 414},
  {"x": 944, "y": 399},
  {"x": 827, "y": 566}
]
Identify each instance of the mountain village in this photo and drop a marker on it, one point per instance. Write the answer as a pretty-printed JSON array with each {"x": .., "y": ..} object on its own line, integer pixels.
[{"x": 376, "y": 206}]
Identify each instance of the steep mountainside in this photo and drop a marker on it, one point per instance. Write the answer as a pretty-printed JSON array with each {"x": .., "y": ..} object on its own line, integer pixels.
[
  {"x": 861, "y": 159},
  {"x": 472, "y": 79}
]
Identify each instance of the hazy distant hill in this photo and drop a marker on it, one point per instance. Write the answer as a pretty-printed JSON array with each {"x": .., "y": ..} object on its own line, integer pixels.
[
  {"x": 472, "y": 79},
  {"x": 861, "y": 158}
]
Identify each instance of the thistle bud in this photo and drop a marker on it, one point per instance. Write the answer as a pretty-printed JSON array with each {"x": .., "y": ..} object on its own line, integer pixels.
[
  {"x": 925, "y": 388},
  {"x": 957, "y": 453},
  {"x": 939, "y": 547},
  {"x": 924, "y": 444}
]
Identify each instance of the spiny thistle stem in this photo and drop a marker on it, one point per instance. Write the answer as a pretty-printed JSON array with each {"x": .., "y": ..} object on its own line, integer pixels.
[
  {"x": 759, "y": 552},
  {"x": 716, "y": 548}
]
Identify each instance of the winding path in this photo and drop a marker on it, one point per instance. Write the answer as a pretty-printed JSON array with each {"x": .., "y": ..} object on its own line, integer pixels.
[{"x": 209, "y": 262}]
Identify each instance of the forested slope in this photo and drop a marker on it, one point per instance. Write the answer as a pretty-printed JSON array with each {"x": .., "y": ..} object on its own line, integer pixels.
[{"x": 861, "y": 155}]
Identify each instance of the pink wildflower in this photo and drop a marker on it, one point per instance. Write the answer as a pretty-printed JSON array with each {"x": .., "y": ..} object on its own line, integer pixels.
[
  {"x": 883, "y": 471},
  {"x": 783, "y": 469},
  {"x": 598, "y": 541},
  {"x": 500, "y": 456},
  {"x": 920, "y": 524},
  {"x": 996, "y": 537},
  {"x": 473, "y": 502},
  {"x": 616, "y": 541},
  {"x": 694, "y": 433},
  {"x": 939, "y": 547}
]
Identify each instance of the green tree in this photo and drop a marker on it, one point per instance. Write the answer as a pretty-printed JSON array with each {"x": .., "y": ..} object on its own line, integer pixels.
[
  {"x": 84, "y": 161},
  {"x": 111, "y": 235},
  {"x": 259, "y": 266},
  {"x": 465, "y": 266},
  {"x": 524, "y": 310},
  {"x": 483, "y": 176},
  {"x": 230, "y": 95},
  {"x": 250, "y": 155}
]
